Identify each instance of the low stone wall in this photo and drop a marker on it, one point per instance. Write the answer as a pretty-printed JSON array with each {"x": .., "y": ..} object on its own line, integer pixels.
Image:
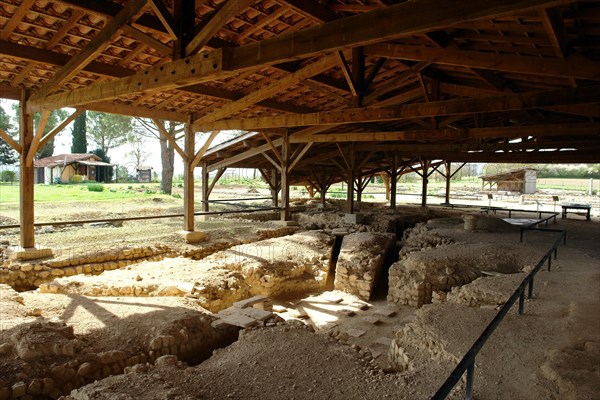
[
  {"x": 361, "y": 260},
  {"x": 431, "y": 273},
  {"x": 28, "y": 275},
  {"x": 43, "y": 357},
  {"x": 486, "y": 291},
  {"x": 273, "y": 267}
]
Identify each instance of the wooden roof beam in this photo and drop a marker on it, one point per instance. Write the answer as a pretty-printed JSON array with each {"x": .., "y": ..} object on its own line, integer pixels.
[
  {"x": 555, "y": 28},
  {"x": 270, "y": 90},
  {"x": 509, "y": 102},
  {"x": 93, "y": 47},
  {"x": 147, "y": 40},
  {"x": 16, "y": 18},
  {"x": 364, "y": 29},
  {"x": 165, "y": 17},
  {"x": 230, "y": 9},
  {"x": 580, "y": 129},
  {"x": 399, "y": 20},
  {"x": 311, "y": 8},
  {"x": 576, "y": 66}
]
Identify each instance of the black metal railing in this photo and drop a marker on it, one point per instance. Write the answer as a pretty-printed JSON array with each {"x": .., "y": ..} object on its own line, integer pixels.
[{"x": 467, "y": 364}]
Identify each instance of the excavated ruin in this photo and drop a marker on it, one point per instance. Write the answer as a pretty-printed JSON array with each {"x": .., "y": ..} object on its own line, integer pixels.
[{"x": 153, "y": 310}]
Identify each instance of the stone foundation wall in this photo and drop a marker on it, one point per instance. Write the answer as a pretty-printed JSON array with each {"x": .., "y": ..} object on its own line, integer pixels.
[
  {"x": 70, "y": 364},
  {"x": 361, "y": 260},
  {"x": 22, "y": 275}
]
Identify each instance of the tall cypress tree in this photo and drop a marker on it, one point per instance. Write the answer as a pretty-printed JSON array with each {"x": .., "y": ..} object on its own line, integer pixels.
[{"x": 79, "y": 133}]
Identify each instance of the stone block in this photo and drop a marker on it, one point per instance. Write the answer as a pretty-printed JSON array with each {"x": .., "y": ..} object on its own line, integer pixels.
[
  {"x": 29, "y": 253},
  {"x": 386, "y": 311},
  {"x": 371, "y": 319},
  {"x": 355, "y": 333},
  {"x": 384, "y": 341},
  {"x": 354, "y": 218},
  {"x": 239, "y": 320},
  {"x": 192, "y": 237},
  {"x": 250, "y": 301}
]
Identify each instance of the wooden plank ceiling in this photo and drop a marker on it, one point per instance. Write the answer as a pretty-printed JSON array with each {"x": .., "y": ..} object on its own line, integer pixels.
[{"x": 458, "y": 80}]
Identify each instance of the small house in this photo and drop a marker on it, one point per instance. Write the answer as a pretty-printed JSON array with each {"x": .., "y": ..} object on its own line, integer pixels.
[
  {"x": 144, "y": 174},
  {"x": 521, "y": 180},
  {"x": 63, "y": 167}
]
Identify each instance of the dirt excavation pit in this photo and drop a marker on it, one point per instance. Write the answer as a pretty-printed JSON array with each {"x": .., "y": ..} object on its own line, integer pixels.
[{"x": 298, "y": 315}]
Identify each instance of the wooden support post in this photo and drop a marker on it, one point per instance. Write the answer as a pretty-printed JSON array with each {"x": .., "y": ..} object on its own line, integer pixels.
[
  {"x": 448, "y": 177},
  {"x": 27, "y": 177},
  {"x": 205, "y": 191},
  {"x": 351, "y": 177},
  {"x": 285, "y": 184},
  {"x": 275, "y": 183},
  {"x": 188, "y": 178},
  {"x": 358, "y": 74},
  {"x": 393, "y": 181},
  {"x": 425, "y": 175},
  {"x": 359, "y": 187}
]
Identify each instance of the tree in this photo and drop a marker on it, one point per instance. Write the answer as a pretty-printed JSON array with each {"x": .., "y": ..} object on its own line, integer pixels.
[
  {"x": 79, "y": 134},
  {"x": 108, "y": 131},
  {"x": 138, "y": 151},
  {"x": 146, "y": 128},
  {"x": 7, "y": 153}
]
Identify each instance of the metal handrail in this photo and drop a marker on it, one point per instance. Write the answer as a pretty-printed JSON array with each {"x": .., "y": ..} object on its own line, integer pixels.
[
  {"x": 468, "y": 361},
  {"x": 534, "y": 227}
]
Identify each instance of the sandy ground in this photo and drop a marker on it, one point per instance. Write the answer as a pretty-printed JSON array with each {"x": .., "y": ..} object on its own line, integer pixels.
[{"x": 551, "y": 352}]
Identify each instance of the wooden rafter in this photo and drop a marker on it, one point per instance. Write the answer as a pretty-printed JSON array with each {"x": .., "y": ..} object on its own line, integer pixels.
[
  {"x": 364, "y": 29},
  {"x": 16, "y": 18},
  {"x": 147, "y": 40},
  {"x": 394, "y": 83},
  {"x": 439, "y": 134},
  {"x": 89, "y": 52},
  {"x": 270, "y": 90},
  {"x": 225, "y": 13},
  {"x": 164, "y": 16},
  {"x": 576, "y": 66},
  {"x": 556, "y": 30},
  {"x": 582, "y": 95}
]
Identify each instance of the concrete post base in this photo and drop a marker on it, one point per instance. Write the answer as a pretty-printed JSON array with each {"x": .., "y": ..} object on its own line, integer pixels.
[
  {"x": 192, "y": 237},
  {"x": 354, "y": 218},
  {"x": 29, "y": 253}
]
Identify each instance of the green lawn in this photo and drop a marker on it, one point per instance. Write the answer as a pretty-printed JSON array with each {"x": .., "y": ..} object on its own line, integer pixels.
[{"x": 69, "y": 193}]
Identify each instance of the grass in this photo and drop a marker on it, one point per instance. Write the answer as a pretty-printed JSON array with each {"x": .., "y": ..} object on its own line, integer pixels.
[{"x": 79, "y": 193}]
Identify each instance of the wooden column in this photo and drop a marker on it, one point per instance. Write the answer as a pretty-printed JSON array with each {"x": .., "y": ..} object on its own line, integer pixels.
[
  {"x": 448, "y": 177},
  {"x": 359, "y": 187},
  {"x": 285, "y": 184},
  {"x": 424, "y": 169},
  {"x": 26, "y": 211},
  {"x": 188, "y": 178},
  {"x": 351, "y": 179},
  {"x": 275, "y": 187},
  {"x": 393, "y": 181},
  {"x": 205, "y": 187}
]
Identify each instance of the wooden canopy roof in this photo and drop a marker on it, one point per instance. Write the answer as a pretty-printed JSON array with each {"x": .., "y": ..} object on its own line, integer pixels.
[{"x": 383, "y": 82}]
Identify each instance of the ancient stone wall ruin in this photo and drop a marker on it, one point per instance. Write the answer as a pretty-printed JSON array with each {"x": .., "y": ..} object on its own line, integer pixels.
[{"x": 361, "y": 260}]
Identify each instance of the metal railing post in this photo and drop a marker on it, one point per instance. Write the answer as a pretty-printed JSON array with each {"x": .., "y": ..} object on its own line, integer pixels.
[
  {"x": 522, "y": 302},
  {"x": 549, "y": 263},
  {"x": 470, "y": 378},
  {"x": 530, "y": 289}
]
